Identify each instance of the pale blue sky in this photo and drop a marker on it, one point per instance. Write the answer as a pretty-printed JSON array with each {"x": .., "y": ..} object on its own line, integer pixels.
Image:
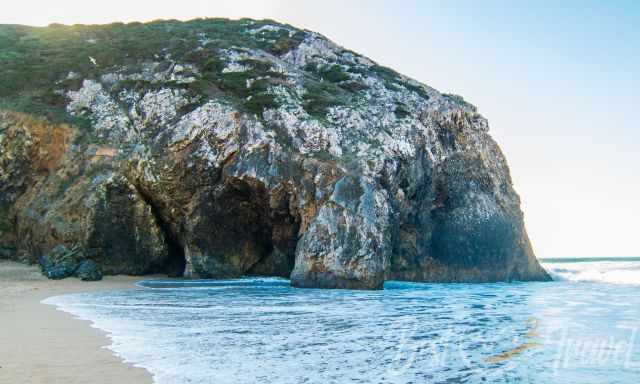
[{"x": 558, "y": 81}]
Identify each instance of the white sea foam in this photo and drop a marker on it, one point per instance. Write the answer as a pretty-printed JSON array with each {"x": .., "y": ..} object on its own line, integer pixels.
[
  {"x": 612, "y": 272},
  {"x": 264, "y": 331}
]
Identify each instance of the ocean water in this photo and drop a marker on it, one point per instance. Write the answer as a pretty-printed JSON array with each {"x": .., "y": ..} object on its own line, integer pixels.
[{"x": 581, "y": 328}]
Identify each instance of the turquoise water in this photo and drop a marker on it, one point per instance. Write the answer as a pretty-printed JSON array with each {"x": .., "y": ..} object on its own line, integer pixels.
[{"x": 580, "y": 328}]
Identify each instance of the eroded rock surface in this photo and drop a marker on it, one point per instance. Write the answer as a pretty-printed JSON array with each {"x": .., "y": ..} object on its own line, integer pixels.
[{"x": 264, "y": 150}]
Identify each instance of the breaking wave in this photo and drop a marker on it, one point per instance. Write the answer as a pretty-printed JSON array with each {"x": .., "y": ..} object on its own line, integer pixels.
[{"x": 595, "y": 270}]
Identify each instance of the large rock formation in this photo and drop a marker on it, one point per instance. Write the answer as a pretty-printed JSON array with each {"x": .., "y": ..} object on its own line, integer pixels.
[{"x": 219, "y": 148}]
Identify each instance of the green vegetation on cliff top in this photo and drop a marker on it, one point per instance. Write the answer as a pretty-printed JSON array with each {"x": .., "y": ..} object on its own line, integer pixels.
[
  {"x": 35, "y": 64},
  {"x": 34, "y": 59}
]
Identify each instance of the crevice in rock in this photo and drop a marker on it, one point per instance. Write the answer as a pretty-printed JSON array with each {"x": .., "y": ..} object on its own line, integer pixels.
[{"x": 176, "y": 261}]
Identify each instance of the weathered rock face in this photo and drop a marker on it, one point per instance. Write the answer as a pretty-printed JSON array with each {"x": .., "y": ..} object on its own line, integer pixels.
[{"x": 245, "y": 147}]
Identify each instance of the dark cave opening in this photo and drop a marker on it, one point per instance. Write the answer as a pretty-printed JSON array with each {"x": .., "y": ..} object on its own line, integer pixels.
[
  {"x": 278, "y": 257},
  {"x": 176, "y": 262},
  {"x": 249, "y": 230},
  {"x": 242, "y": 229}
]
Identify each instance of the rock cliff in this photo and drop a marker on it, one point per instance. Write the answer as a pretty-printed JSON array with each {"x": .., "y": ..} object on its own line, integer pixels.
[{"x": 217, "y": 148}]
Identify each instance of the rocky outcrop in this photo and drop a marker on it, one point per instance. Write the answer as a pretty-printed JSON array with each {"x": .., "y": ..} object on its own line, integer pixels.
[
  {"x": 62, "y": 262},
  {"x": 253, "y": 148},
  {"x": 88, "y": 270}
]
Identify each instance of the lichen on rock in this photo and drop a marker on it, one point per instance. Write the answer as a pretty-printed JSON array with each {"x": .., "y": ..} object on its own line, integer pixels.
[{"x": 229, "y": 148}]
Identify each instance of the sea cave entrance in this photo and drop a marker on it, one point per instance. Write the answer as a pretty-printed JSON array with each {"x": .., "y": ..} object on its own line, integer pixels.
[{"x": 239, "y": 228}]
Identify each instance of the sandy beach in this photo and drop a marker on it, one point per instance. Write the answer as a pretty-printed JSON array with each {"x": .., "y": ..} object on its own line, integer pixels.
[{"x": 40, "y": 344}]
